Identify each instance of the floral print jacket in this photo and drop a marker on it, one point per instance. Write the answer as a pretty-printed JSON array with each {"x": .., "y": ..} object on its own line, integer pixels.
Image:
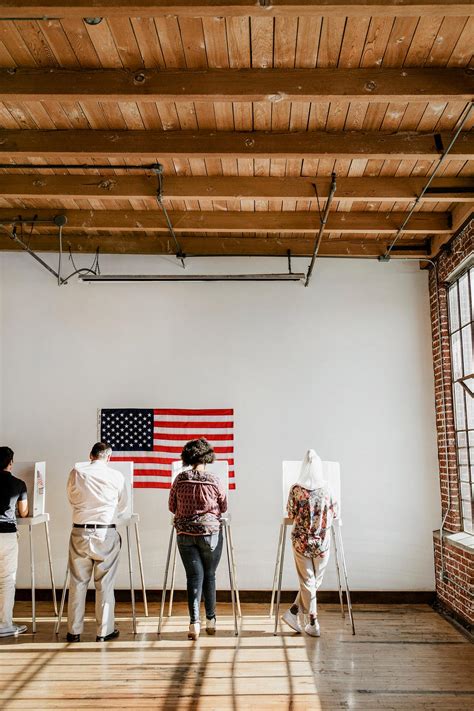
[{"x": 312, "y": 513}]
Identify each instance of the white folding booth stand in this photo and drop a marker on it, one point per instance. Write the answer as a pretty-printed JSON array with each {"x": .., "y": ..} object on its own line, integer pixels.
[
  {"x": 127, "y": 519},
  {"x": 220, "y": 469},
  {"x": 34, "y": 476},
  {"x": 332, "y": 476}
]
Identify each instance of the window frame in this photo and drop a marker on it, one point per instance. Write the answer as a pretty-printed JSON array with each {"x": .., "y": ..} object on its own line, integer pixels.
[{"x": 466, "y": 269}]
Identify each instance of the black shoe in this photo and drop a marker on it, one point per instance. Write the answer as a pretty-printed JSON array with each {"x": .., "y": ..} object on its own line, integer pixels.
[
  {"x": 73, "y": 637},
  {"x": 112, "y": 635}
]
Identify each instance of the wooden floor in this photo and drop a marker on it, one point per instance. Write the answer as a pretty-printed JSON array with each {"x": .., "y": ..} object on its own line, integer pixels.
[{"x": 403, "y": 657}]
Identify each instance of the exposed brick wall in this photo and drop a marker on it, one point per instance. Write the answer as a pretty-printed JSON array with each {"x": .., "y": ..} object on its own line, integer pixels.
[{"x": 456, "y": 589}]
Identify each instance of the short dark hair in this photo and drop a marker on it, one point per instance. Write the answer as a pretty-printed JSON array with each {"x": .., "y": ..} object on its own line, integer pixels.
[
  {"x": 99, "y": 450},
  {"x": 197, "y": 451},
  {"x": 6, "y": 457}
]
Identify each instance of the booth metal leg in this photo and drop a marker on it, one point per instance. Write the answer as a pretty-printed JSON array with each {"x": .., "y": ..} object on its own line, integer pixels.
[
  {"x": 336, "y": 558},
  {"x": 173, "y": 578},
  {"x": 50, "y": 561},
  {"x": 32, "y": 573},
  {"x": 280, "y": 577},
  {"x": 234, "y": 569},
  {"x": 344, "y": 570},
  {"x": 231, "y": 581},
  {"x": 63, "y": 599},
  {"x": 275, "y": 574},
  {"x": 132, "y": 589},
  {"x": 165, "y": 581},
  {"x": 140, "y": 565}
]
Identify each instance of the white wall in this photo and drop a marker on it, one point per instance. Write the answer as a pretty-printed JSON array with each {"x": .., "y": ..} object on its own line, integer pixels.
[{"x": 343, "y": 366}]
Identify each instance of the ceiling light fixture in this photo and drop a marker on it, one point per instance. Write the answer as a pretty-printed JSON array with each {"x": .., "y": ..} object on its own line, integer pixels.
[{"x": 124, "y": 278}]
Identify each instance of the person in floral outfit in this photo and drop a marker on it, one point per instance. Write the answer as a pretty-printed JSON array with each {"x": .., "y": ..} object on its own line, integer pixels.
[{"x": 312, "y": 509}]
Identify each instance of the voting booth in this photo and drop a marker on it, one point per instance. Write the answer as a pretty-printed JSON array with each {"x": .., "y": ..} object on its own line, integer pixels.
[
  {"x": 34, "y": 476},
  {"x": 127, "y": 519},
  {"x": 332, "y": 477},
  {"x": 220, "y": 469}
]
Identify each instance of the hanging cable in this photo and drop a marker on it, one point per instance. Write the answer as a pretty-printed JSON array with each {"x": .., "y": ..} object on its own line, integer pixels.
[
  {"x": 464, "y": 117},
  {"x": 94, "y": 269},
  {"x": 158, "y": 170}
]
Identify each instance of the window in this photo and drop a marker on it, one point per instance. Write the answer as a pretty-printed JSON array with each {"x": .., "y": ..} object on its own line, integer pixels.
[{"x": 461, "y": 330}]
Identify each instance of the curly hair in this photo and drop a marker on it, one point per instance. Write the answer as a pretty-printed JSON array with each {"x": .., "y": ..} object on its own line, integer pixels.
[{"x": 197, "y": 451}]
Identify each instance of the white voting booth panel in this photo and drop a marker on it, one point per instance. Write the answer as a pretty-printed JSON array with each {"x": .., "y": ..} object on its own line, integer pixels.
[
  {"x": 126, "y": 468},
  {"x": 332, "y": 476},
  {"x": 34, "y": 476}
]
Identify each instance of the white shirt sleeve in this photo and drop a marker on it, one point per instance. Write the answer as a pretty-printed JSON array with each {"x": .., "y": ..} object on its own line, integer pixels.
[{"x": 70, "y": 488}]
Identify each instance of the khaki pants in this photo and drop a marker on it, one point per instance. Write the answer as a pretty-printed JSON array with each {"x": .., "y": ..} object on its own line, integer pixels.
[
  {"x": 93, "y": 551},
  {"x": 310, "y": 573},
  {"x": 8, "y": 567}
]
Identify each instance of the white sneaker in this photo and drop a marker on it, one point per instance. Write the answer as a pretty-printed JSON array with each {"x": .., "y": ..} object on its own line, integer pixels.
[
  {"x": 313, "y": 630},
  {"x": 13, "y": 631},
  {"x": 291, "y": 620},
  {"x": 211, "y": 626},
  {"x": 194, "y": 630}
]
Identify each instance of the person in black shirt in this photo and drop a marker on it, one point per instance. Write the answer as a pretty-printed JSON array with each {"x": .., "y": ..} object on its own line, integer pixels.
[{"x": 12, "y": 494}]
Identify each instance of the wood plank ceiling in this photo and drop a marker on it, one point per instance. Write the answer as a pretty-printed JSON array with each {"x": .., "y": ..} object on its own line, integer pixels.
[{"x": 249, "y": 108}]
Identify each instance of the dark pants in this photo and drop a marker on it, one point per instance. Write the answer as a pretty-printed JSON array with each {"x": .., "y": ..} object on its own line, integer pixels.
[{"x": 200, "y": 556}]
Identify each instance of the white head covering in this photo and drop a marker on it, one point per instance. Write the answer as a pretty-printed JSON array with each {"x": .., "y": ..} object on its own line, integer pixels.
[{"x": 311, "y": 474}]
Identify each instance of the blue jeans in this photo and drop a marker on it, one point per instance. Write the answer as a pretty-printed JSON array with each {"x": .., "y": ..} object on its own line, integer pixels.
[{"x": 200, "y": 556}]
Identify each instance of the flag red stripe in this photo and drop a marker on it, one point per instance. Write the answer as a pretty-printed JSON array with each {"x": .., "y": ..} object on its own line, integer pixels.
[
  {"x": 197, "y": 424},
  {"x": 187, "y": 413},
  {"x": 151, "y": 485},
  {"x": 152, "y": 472},
  {"x": 163, "y": 448},
  {"x": 157, "y": 460},
  {"x": 142, "y": 460},
  {"x": 185, "y": 438}
]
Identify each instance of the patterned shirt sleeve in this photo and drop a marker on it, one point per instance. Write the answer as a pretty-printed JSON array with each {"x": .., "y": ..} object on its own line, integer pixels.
[
  {"x": 334, "y": 507},
  {"x": 221, "y": 499},
  {"x": 172, "y": 499},
  {"x": 291, "y": 506}
]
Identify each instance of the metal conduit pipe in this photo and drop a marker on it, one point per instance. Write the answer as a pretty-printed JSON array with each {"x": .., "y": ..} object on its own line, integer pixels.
[
  {"x": 467, "y": 113},
  {"x": 324, "y": 219},
  {"x": 80, "y": 166}
]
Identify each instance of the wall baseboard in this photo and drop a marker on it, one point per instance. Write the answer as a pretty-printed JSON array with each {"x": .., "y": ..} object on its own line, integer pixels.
[{"x": 361, "y": 597}]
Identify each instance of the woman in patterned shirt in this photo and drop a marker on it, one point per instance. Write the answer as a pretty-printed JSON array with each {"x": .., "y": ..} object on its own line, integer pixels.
[
  {"x": 312, "y": 509},
  {"x": 197, "y": 501}
]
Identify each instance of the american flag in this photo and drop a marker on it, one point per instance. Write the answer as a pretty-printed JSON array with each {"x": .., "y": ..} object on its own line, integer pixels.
[{"x": 153, "y": 438}]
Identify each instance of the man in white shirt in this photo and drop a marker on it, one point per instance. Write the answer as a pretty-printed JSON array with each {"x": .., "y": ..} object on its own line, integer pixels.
[{"x": 98, "y": 495}]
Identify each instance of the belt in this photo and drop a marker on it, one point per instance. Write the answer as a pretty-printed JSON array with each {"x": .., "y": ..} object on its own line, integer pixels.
[{"x": 93, "y": 525}]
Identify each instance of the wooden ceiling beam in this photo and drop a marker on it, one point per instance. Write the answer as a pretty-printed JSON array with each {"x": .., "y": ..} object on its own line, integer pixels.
[
  {"x": 461, "y": 213},
  {"x": 273, "y": 85},
  {"x": 113, "y": 187},
  {"x": 217, "y": 246},
  {"x": 54, "y": 9},
  {"x": 156, "y": 145},
  {"x": 226, "y": 221}
]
